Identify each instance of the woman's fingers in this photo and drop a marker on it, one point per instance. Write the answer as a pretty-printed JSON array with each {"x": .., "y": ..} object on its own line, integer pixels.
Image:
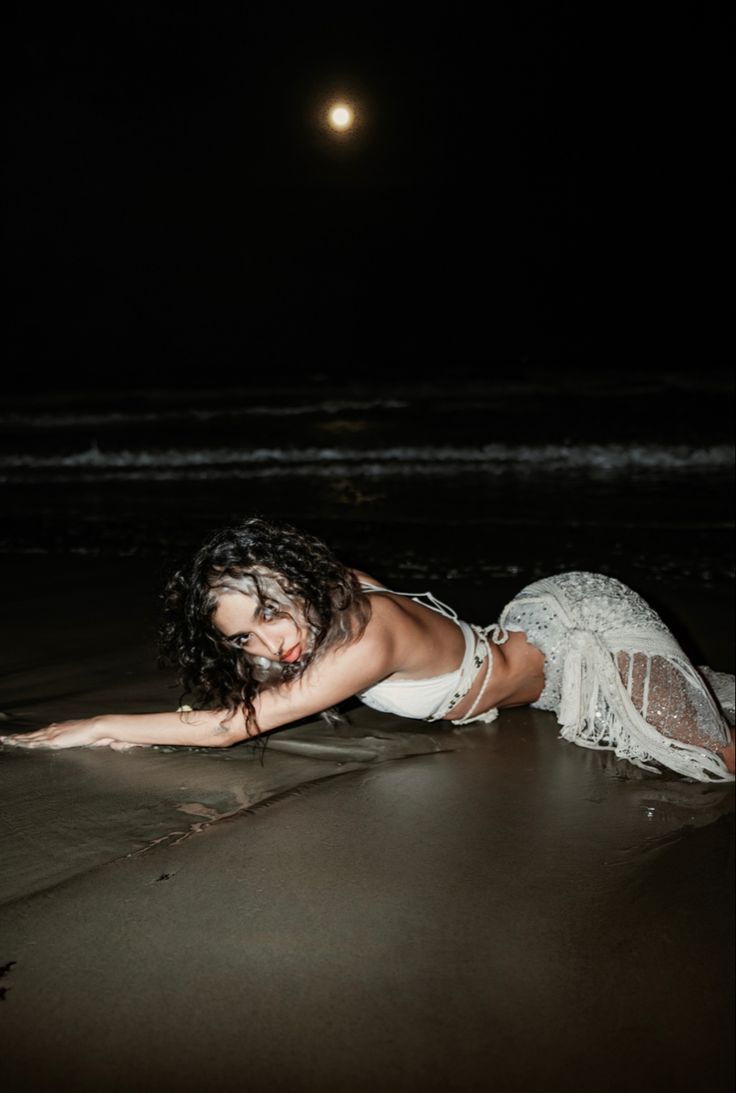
[
  {"x": 66, "y": 734},
  {"x": 30, "y": 739},
  {"x": 19, "y": 739}
]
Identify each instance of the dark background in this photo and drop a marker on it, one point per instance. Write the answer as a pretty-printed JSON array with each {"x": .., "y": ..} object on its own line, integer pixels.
[{"x": 527, "y": 183}]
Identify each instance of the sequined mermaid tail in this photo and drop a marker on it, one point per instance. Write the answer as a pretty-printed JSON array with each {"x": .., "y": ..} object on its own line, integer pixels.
[{"x": 616, "y": 677}]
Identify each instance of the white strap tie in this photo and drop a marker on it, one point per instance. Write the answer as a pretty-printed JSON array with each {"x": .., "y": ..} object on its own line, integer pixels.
[{"x": 483, "y": 649}]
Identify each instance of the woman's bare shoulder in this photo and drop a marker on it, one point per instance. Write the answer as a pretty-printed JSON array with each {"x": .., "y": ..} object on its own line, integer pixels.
[{"x": 391, "y": 620}]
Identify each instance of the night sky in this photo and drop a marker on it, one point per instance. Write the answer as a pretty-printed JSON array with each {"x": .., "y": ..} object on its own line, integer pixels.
[{"x": 532, "y": 185}]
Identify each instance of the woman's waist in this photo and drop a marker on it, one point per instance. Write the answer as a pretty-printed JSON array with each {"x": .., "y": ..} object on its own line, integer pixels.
[{"x": 516, "y": 678}]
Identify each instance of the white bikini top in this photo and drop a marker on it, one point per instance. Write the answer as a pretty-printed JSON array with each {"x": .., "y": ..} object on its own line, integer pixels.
[{"x": 432, "y": 699}]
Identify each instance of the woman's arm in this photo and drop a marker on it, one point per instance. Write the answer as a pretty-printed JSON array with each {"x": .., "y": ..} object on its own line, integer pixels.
[
  {"x": 340, "y": 674},
  {"x": 194, "y": 728}
]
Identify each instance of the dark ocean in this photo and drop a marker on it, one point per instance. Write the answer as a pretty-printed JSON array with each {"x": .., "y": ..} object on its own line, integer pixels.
[{"x": 446, "y": 478}]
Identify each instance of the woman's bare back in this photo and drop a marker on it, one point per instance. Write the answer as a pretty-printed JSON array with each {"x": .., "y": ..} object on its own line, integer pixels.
[{"x": 429, "y": 644}]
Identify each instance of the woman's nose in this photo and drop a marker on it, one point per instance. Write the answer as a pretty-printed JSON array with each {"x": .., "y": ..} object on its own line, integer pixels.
[
  {"x": 270, "y": 641},
  {"x": 274, "y": 639}
]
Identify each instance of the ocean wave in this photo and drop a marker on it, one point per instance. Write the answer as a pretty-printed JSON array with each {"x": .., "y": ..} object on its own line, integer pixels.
[
  {"x": 494, "y": 459},
  {"x": 98, "y": 418}
]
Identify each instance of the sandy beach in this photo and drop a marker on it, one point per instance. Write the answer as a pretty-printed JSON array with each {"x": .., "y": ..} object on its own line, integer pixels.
[{"x": 384, "y": 905}]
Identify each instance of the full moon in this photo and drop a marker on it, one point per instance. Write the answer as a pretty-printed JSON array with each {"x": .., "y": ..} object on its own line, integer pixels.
[{"x": 340, "y": 116}]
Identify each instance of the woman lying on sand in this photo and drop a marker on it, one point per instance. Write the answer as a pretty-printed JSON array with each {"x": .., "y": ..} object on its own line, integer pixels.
[{"x": 267, "y": 627}]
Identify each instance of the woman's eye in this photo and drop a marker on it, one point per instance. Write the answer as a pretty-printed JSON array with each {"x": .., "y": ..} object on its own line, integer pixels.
[
  {"x": 269, "y": 612},
  {"x": 241, "y": 640}
]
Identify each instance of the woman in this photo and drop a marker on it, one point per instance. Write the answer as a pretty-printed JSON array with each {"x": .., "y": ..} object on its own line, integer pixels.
[{"x": 267, "y": 627}]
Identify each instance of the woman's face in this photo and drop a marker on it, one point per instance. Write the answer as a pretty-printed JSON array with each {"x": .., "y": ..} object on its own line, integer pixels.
[{"x": 262, "y": 630}]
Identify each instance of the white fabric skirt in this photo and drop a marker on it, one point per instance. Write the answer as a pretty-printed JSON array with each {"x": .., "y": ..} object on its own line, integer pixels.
[{"x": 617, "y": 679}]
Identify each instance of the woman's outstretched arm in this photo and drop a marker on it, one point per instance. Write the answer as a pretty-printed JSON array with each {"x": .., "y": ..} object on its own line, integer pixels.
[
  {"x": 195, "y": 728},
  {"x": 340, "y": 674}
]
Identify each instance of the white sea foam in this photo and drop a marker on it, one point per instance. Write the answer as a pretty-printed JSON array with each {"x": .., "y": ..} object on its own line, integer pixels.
[
  {"x": 494, "y": 459},
  {"x": 100, "y": 418}
]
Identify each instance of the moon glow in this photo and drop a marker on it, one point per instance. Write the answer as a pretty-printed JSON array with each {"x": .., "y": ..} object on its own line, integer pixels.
[{"x": 340, "y": 116}]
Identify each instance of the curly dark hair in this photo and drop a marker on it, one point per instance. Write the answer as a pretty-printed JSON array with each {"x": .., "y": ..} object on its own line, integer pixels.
[{"x": 266, "y": 554}]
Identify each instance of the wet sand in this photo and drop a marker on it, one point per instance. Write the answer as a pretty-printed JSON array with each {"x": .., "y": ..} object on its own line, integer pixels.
[{"x": 380, "y": 906}]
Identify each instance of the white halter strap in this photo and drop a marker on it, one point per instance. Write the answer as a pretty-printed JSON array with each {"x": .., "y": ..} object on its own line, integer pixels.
[{"x": 433, "y": 603}]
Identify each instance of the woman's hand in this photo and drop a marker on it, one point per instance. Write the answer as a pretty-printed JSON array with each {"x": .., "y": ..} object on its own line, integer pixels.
[{"x": 87, "y": 733}]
